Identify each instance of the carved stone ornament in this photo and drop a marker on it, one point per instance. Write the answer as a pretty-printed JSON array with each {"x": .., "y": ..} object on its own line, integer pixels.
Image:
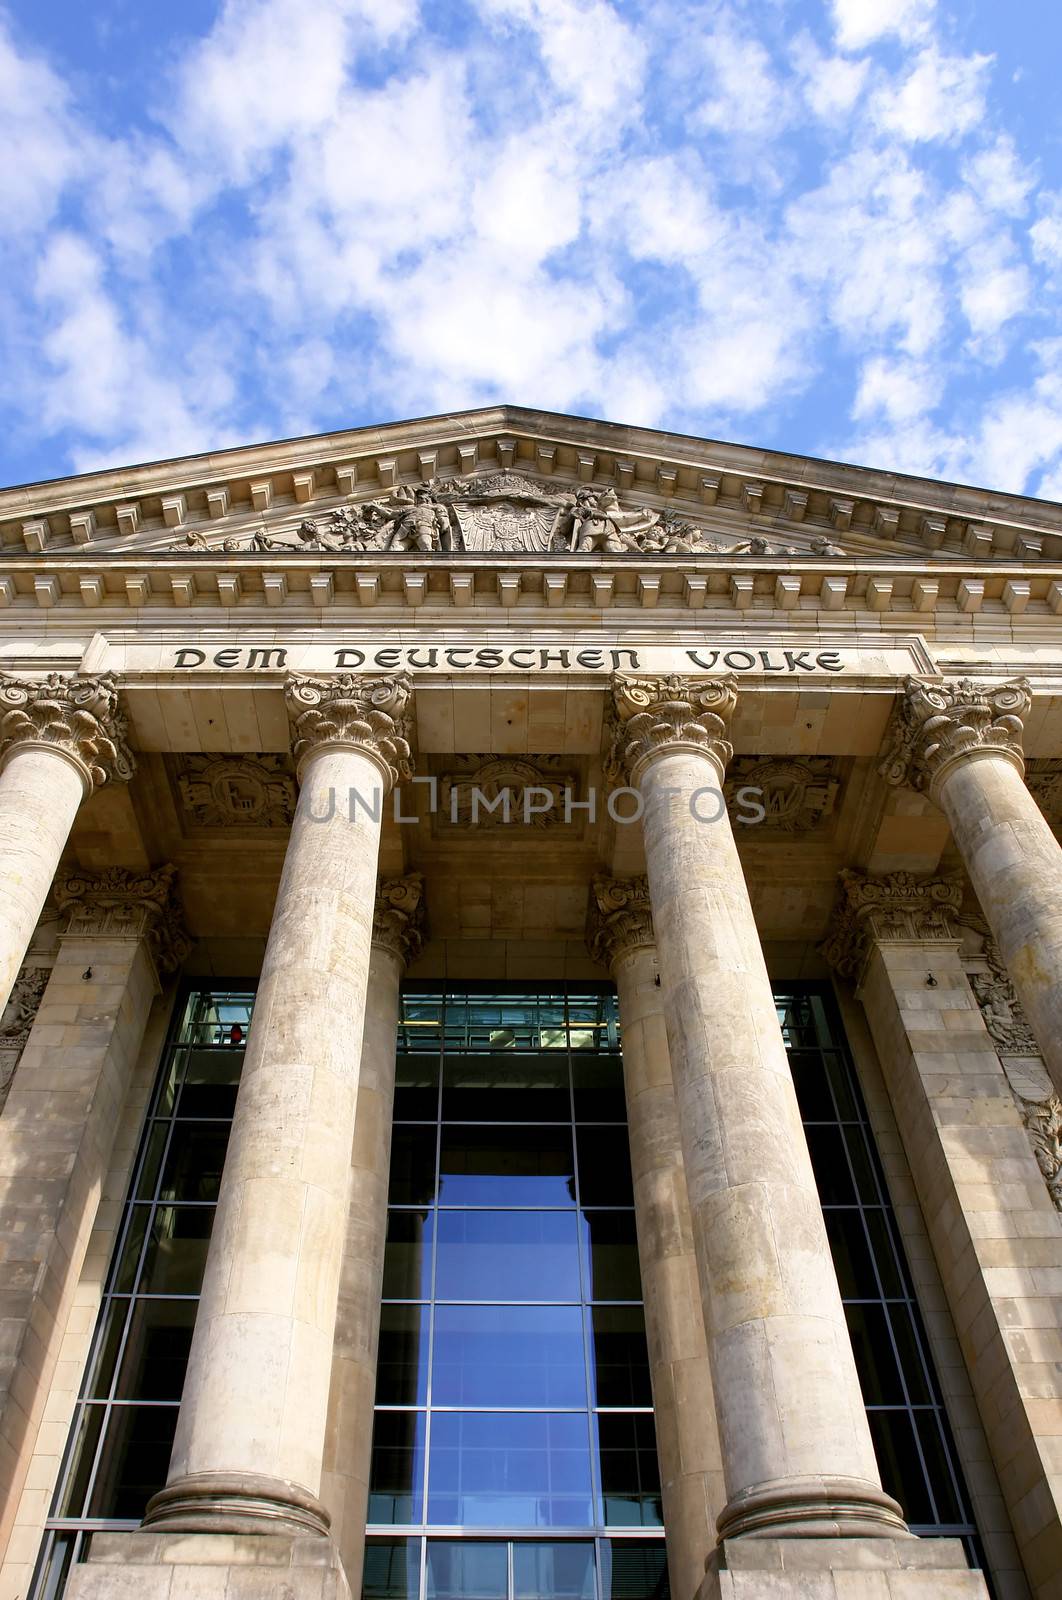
[
  {"x": 990, "y": 981},
  {"x": 936, "y": 724},
  {"x": 118, "y": 903},
  {"x": 505, "y": 791},
  {"x": 1044, "y": 781},
  {"x": 78, "y": 716},
  {"x": 372, "y": 714},
  {"x": 672, "y": 713},
  {"x": 17, "y": 1020},
  {"x": 896, "y": 906},
  {"x": 398, "y": 918},
  {"x": 229, "y": 791},
  {"x": 1043, "y": 1123},
  {"x": 797, "y": 795},
  {"x": 620, "y": 919},
  {"x": 505, "y": 512}
]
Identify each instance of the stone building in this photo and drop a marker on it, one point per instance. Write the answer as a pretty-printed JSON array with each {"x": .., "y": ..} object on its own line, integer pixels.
[{"x": 534, "y": 1045}]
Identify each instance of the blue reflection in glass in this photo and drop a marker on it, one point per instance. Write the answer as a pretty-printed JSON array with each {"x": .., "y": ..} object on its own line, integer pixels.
[
  {"x": 516, "y": 1166},
  {"x": 508, "y": 1356},
  {"x": 461, "y": 1570},
  {"x": 396, "y": 1478},
  {"x": 507, "y": 1255},
  {"x": 515, "y": 1470},
  {"x": 553, "y": 1571}
]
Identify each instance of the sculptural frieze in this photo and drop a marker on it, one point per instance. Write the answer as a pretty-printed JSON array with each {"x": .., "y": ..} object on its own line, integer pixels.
[{"x": 503, "y": 512}]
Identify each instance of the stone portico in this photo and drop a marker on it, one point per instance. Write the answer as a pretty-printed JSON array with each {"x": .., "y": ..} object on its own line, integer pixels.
[{"x": 512, "y": 698}]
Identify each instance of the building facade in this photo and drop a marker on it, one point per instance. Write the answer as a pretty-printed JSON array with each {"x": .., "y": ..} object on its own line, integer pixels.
[{"x": 532, "y": 954}]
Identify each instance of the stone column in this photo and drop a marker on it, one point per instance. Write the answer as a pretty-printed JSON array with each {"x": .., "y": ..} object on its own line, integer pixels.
[
  {"x": 621, "y": 937},
  {"x": 797, "y": 1452},
  {"x": 397, "y": 935},
  {"x": 961, "y": 744},
  {"x": 991, "y": 1220},
  {"x": 60, "y": 738},
  {"x": 57, "y": 1131},
  {"x": 250, "y": 1439}
]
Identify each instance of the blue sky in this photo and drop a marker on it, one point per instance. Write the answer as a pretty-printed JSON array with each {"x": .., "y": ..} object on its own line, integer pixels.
[{"x": 825, "y": 226}]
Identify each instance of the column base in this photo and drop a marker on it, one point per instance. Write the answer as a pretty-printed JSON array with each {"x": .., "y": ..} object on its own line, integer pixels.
[
  {"x": 841, "y": 1569},
  {"x": 195, "y": 1566},
  {"x": 236, "y": 1502},
  {"x": 802, "y": 1508}
]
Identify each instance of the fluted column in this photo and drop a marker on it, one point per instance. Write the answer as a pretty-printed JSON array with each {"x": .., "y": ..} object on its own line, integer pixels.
[
  {"x": 60, "y": 738},
  {"x": 397, "y": 934},
  {"x": 250, "y": 1439},
  {"x": 621, "y": 937},
  {"x": 960, "y": 743},
  {"x": 797, "y": 1452}
]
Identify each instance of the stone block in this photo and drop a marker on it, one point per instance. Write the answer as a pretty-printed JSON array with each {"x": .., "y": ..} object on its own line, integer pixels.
[
  {"x": 201, "y": 1566},
  {"x": 841, "y": 1569}
]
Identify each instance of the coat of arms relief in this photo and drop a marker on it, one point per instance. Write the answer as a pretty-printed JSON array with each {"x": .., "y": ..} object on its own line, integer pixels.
[{"x": 507, "y": 513}]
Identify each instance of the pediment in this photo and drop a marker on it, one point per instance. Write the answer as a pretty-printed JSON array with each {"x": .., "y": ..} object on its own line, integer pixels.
[{"x": 520, "y": 483}]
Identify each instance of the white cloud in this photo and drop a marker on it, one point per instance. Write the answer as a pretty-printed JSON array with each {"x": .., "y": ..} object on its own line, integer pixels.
[
  {"x": 744, "y": 99},
  {"x": 942, "y": 97},
  {"x": 999, "y": 179},
  {"x": 858, "y": 23},
  {"x": 995, "y": 288},
  {"x": 40, "y": 139},
  {"x": 898, "y": 390}
]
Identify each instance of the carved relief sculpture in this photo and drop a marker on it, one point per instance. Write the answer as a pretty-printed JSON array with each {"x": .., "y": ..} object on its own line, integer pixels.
[
  {"x": 496, "y": 791},
  {"x": 17, "y": 1020},
  {"x": 229, "y": 791},
  {"x": 117, "y": 903},
  {"x": 896, "y": 905},
  {"x": 796, "y": 795}
]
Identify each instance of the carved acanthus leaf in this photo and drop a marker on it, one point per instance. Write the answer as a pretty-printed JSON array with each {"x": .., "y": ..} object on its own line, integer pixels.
[
  {"x": 370, "y": 714},
  {"x": 398, "y": 921},
  {"x": 895, "y": 906},
  {"x": 78, "y": 716},
  {"x": 653, "y": 715},
  {"x": 936, "y": 724},
  {"x": 117, "y": 903},
  {"x": 620, "y": 919}
]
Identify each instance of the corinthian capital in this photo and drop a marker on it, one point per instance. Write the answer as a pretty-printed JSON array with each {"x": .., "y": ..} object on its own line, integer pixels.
[
  {"x": 895, "y": 906},
  {"x": 398, "y": 917},
  {"x": 117, "y": 903},
  {"x": 367, "y": 714},
  {"x": 620, "y": 919},
  {"x": 79, "y": 718},
  {"x": 658, "y": 715},
  {"x": 936, "y": 724}
]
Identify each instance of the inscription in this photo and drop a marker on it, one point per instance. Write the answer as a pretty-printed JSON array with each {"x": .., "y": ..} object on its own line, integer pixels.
[{"x": 488, "y": 658}]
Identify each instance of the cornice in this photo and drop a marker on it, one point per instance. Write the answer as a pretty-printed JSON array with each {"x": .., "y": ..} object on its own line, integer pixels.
[
  {"x": 125, "y": 582},
  {"x": 763, "y": 491}
]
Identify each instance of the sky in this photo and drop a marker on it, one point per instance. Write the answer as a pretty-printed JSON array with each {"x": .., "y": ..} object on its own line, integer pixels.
[{"x": 832, "y": 227}]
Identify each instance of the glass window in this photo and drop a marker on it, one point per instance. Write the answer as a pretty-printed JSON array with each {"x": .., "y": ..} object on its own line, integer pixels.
[
  {"x": 460, "y": 1570},
  {"x": 515, "y": 1166},
  {"x": 509, "y": 1356},
  {"x": 553, "y": 1571},
  {"x": 510, "y": 1470},
  {"x": 507, "y": 1255}
]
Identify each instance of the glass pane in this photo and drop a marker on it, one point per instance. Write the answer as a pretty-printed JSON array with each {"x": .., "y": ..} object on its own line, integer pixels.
[
  {"x": 604, "y": 1167},
  {"x": 407, "y": 1256},
  {"x": 464, "y": 1570},
  {"x": 135, "y": 1460},
  {"x": 851, "y": 1253},
  {"x": 396, "y": 1477},
  {"x": 210, "y": 1083},
  {"x": 553, "y": 1571},
  {"x": 634, "y": 1569},
  {"x": 830, "y": 1161},
  {"x": 620, "y": 1360},
  {"x": 412, "y": 1166},
  {"x": 517, "y": 1167},
  {"x": 392, "y": 1569},
  {"x": 55, "y": 1567},
  {"x": 812, "y": 1086},
  {"x": 900, "y": 1464},
  {"x": 521, "y": 1470},
  {"x": 598, "y": 1086},
  {"x": 630, "y": 1477},
  {"x": 156, "y": 1352},
  {"x": 100, "y": 1369},
  {"x": 912, "y": 1363},
  {"x": 507, "y": 1255},
  {"x": 937, "y": 1467},
  {"x": 611, "y": 1252},
  {"x": 128, "y": 1264},
  {"x": 885, "y": 1254},
  {"x": 152, "y": 1162},
  {"x": 879, "y": 1375},
  {"x": 402, "y": 1363},
  {"x": 194, "y": 1161},
  {"x": 177, "y": 1249},
  {"x": 417, "y": 1088},
  {"x": 82, "y": 1457},
  {"x": 506, "y": 1087},
  {"x": 508, "y": 1356}
]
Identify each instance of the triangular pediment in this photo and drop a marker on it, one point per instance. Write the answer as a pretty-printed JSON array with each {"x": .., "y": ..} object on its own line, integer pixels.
[{"x": 523, "y": 483}]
